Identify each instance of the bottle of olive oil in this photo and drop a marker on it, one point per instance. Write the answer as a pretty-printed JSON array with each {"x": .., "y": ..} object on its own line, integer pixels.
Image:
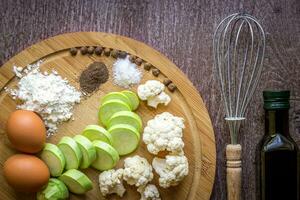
[{"x": 278, "y": 169}]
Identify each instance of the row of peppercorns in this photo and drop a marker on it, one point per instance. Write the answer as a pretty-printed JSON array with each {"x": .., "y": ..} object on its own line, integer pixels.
[{"x": 122, "y": 54}]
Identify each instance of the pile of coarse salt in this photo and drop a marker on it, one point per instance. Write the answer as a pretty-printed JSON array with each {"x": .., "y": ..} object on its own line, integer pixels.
[
  {"x": 48, "y": 94},
  {"x": 126, "y": 73}
]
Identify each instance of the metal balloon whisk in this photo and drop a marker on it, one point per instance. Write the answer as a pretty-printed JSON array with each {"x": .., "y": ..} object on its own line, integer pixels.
[{"x": 238, "y": 48}]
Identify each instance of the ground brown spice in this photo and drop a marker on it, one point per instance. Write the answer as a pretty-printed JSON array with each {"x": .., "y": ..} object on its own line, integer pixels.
[{"x": 92, "y": 77}]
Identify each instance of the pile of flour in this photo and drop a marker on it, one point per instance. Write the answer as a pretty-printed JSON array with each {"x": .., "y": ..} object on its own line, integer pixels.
[{"x": 48, "y": 94}]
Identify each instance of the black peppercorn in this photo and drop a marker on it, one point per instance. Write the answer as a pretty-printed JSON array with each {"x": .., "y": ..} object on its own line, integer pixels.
[
  {"x": 98, "y": 50},
  {"x": 114, "y": 53},
  {"x": 138, "y": 61},
  {"x": 83, "y": 50},
  {"x": 73, "y": 51},
  {"x": 155, "y": 72},
  {"x": 132, "y": 58},
  {"x": 172, "y": 87},
  {"x": 106, "y": 51},
  {"x": 122, "y": 54},
  {"x": 91, "y": 50},
  {"x": 147, "y": 66},
  {"x": 166, "y": 82}
]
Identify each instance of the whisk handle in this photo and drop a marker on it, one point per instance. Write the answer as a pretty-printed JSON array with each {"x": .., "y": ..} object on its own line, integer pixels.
[{"x": 234, "y": 171}]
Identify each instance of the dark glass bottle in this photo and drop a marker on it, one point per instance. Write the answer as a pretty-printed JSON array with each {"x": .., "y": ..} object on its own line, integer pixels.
[{"x": 278, "y": 167}]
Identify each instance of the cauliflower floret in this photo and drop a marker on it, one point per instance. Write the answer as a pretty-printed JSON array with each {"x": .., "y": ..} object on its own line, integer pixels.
[
  {"x": 137, "y": 171},
  {"x": 161, "y": 98},
  {"x": 164, "y": 132},
  {"x": 153, "y": 92},
  {"x": 171, "y": 170},
  {"x": 111, "y": 182},
  {"x": 150, "y": 192},
  {"x": 149, "y": 89}
]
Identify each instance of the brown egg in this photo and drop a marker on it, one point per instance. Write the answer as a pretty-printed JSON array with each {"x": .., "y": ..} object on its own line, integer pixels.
[
  {"x": 26, "y": 173},
  {"x": 26, "y": 131}
]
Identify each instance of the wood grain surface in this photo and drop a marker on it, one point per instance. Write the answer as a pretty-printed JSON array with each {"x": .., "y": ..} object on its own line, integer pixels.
[{"x": 181, "y": 30}]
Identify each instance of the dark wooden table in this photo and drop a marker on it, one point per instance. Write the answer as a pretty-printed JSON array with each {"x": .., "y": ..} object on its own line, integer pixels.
[{"x": 182, "y": 30}]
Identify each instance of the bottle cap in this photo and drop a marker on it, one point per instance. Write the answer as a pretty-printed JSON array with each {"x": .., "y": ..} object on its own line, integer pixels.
[{"x": 274, "y": 100}]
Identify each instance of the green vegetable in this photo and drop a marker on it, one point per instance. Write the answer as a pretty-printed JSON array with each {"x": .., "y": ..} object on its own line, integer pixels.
[
  {"x": 126, "y": 117},
  {"x": 71, "y": 151},
  {"x": 107, "y": 156},
  {"x": 76, "y": 181},
  {"x": 55, "y": 190},
  {"x": 95, "y": 132},
  {"x": 125, "y": 138},
  {"x": 134, "y": 100},
  {"x": 87, "y": 149},
  {"x": 116, "y": 96},
  {"x": 54, "y": 159},
  {"x": 110, "y": 107}
]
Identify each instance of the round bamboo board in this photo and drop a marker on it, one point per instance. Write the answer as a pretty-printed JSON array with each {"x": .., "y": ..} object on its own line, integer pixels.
[{"x": 186, "y": 102}]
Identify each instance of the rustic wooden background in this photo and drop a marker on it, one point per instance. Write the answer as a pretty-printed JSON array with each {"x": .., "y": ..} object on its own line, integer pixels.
[{"x": 182, "y": 30}]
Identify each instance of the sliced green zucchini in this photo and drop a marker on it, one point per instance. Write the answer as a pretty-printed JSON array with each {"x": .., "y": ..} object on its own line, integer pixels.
[
  {"x": 95, "y": 132},
  {"x": 134, "y": 100},
  {"x": 109, "y": 108},
  {"x": 118, "y": 96},
  {"x": 87, "y": 149},
  {"x": 76, "y": 181},
  {"x": 126, "y": 117},
  {"x": 107, "y": 156},
  {"x": 71, "y": 152},
  {"x": 125, "y": 138},
  {"x": 54, "y": 159}
]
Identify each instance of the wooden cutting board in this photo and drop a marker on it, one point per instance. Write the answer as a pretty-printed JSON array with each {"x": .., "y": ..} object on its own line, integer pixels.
[{"x": 186, "y": 102}]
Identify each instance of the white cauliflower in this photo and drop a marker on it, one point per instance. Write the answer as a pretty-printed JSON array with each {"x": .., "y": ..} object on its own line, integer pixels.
[
  {"x": 164, "y": 132},
  {"x": 153, "y": 92},
  {"x": 137, "y": 171},
  {"x": 171, "y": 170},
  {"x": 162, "y": 98},
  {"x": 150, "y": 192},
  {"x": 110, "y": 182},
  {"x": 150, "y": 89}
]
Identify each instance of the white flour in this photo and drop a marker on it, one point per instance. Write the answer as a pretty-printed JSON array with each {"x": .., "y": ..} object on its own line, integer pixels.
[
  {"x": 47, "y": 94},
  {"x": 126, "y": 73}
]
